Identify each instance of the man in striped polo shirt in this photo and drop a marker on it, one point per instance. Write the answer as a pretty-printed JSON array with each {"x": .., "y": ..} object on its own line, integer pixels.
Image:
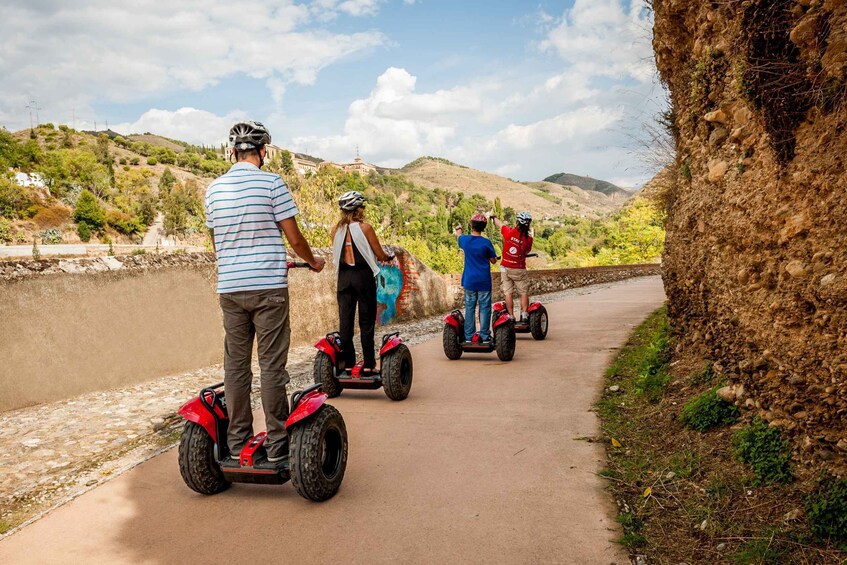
[{"x": 247, "y": 211}]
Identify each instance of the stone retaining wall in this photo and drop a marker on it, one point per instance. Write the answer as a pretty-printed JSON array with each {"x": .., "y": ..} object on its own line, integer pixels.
[
  {"x": 71, "y": 326},
  {"x": 552, "y": 280}
]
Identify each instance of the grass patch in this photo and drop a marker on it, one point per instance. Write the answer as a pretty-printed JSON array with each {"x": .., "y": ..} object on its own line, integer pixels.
[
  {"x": 761, "y": 446},
  {"x": 765, "y": 549},
  {"x": 703, "y": 377},
  {"x": 827, "y": 510},
  {"x": 706, "y": 411}
]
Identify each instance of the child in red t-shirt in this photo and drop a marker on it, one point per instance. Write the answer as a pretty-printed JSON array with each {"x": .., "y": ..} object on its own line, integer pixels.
[{"x": 516, "y": 244}]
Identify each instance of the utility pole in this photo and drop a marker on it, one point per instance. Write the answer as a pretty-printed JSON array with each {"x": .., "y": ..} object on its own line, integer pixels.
[{"x": 30, "y": 108}]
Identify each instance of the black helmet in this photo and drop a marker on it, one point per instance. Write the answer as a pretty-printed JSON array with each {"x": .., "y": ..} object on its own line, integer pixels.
[{"x": 248, "y": 135}]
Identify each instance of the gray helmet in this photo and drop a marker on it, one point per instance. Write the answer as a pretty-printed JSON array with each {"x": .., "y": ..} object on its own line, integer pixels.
[
  {"x": 248, "y": 135},
  {"x": 524, "y": 218},
  {"x": 351, "y": 200}
]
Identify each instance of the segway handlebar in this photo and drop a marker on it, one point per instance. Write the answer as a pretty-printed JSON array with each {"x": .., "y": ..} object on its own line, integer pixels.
[
  {"x": 298, "y": 265},
  {"x": 532, "y": 254}
]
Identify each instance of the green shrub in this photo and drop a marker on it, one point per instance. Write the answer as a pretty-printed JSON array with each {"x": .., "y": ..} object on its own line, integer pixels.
[
  {"x": 84, "y": 231},
  {"x": 124, "y": 223},
  {"x": 51, "y": 236},
  {"x": 152, "y": 161},
  {"x": 139, "y": 251},
  {"x": 5, "y": 231},
  {"x": 16, "y": 201},
  {"x": 826, "y": 509},
  {"x": 761, "y": 446},
  {"x": 706, "y": 411},
  {"x": 134, "y": 161},
  {"x": 88, "y": 210}
]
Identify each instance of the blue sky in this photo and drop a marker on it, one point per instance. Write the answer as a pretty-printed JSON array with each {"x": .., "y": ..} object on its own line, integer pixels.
[{"x": 521, "y": 89}]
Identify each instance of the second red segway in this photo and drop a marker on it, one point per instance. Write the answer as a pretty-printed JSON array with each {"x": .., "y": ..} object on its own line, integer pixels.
[{"x": 394, "y": 374}]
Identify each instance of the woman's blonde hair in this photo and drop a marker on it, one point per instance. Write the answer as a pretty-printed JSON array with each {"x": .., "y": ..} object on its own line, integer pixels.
[{"x": 348, "y": 217}]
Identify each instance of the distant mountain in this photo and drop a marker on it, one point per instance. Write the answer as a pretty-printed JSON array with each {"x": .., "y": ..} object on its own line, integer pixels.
[{"x": 588, "y": 183}]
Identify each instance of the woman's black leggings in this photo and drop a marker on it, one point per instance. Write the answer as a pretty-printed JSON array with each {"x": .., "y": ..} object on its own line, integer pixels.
[{"x": 357, "y": 287}]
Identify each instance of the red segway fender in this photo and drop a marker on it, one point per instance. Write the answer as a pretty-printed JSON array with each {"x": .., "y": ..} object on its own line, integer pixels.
[
  {"x": 329, "y": 347},
  {"x": 308, "y": 405},
  {"x": 499, "y": 307},
  {"x": 195, "y": 411},
  {"x": 455, "y": 319},
  {"x": 533, "y": 307},
  {"x": 389, "y": 343},
  {"x": 504, "y": 318}
]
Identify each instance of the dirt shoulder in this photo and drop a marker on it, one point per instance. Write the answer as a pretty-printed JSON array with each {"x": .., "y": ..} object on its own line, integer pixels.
[{"x": 683, "y": 494}]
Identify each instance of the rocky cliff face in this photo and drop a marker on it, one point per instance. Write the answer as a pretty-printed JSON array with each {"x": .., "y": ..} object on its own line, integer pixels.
[{"x": 756, "y": 245}]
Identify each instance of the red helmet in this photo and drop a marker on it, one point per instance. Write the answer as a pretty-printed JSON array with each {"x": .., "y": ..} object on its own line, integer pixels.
[{"x": 479, "y": 217}]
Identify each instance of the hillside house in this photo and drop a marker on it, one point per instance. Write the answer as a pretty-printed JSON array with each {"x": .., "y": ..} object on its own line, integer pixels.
[{"x": 357, "y": 166}]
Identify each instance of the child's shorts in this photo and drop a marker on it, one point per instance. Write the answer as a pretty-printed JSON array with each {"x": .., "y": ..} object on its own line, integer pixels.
[{"x": 514, "y": 278}]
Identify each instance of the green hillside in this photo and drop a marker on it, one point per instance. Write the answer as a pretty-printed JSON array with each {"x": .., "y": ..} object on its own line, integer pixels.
[{"x": 97, "y": 188}]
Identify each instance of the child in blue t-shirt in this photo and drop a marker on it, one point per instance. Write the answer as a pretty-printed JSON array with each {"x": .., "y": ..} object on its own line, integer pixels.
[{"x": 476, "y": 277}]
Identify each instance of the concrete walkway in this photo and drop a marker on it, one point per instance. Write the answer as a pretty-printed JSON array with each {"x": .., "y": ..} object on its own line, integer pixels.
[{"x": 478, "y": 465}]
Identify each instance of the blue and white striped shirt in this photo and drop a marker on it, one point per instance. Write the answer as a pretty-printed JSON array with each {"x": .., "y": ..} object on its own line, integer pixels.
[{"x": 243, "y": 207}]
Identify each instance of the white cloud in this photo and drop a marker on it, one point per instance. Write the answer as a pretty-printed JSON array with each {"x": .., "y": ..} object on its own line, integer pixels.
[
  {"x": 568, "y": 126},
  {"x": 604, "y": 38},
  {"x": 186, "y": 124},
  {"x": 72, "y": 54},
  {"x": 394, "y": 124}
]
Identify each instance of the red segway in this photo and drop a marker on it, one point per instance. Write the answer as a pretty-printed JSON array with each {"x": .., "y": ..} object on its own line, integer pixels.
[
  {"x": 394, "y": 374},
  {"x": 503, "y": 342},
  {"x": 536, "y": 323},
  {"x": 317, "y": 455}
]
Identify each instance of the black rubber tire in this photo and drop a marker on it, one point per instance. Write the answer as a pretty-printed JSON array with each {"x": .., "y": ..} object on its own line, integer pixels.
[
  {"x": 318, "y": 454},
  {"x": 197, "y": 463},
  {"x": 451, "y": 342},
  {"x": 504, "y": 341},
  {"x": 325, "y": 375},
  {"x": 396, "y": 371},
  {"x": 538, "y": 323}
]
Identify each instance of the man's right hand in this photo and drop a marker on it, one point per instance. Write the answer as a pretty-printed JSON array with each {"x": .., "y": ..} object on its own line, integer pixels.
[{"x": 318, "y": 265}]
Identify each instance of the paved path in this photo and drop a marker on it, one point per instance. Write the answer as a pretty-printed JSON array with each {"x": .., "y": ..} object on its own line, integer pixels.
[{"x": 478, "y": 465}]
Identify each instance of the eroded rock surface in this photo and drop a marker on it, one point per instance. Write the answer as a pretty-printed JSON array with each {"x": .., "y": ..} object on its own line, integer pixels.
[{"x": 755, "y": 236}]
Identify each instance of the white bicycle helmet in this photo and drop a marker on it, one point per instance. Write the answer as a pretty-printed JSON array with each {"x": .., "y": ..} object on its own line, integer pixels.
[
  {"x": 351, "y": 200},
  {"x": 524, "y": 218},
  {"x": 247, "y": 135}
]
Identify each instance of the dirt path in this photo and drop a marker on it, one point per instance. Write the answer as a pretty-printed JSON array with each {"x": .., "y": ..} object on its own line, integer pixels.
[
  {"x": 479, "y": 465},
  {"x": 151, "y": 237}
]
